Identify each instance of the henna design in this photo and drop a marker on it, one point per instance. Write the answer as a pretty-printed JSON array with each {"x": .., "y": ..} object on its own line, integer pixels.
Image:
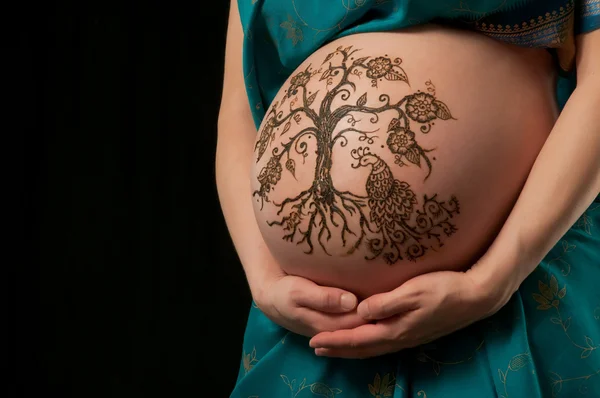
[{"x": 392, "y": 223}]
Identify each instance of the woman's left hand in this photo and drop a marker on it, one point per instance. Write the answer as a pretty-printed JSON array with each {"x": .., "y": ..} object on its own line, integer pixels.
[{"x": 422, "y": 309}]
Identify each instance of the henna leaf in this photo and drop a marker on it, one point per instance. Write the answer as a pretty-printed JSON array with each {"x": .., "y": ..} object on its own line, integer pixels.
[
  {"x": 345, "y": 50},
  {"x": 265, "y": 136},
  {"x": 362, "y": 100},
  {"x": 290, "y": 165},
  {"x": 394, "y": 124},
  {"x": 326, "y": 74},
  {"x": 328, "y": 57},
  {"x": 396, "y": 73},
  {"x": 311, "y": 99},
  {"x": 286, "y": 128},
  {"x": 262, "y": 147},
  {"x": 413, "y": 156},
  {"x": 359, "y": 61},
  {"x": 442, "y": 110}
]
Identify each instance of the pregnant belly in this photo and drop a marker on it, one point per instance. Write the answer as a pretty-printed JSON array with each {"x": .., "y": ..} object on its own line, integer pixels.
[{"x": 389, "y": 155}]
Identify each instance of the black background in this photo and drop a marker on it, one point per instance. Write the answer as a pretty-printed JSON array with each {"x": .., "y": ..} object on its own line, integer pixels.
[{"x": 133, "y": 288}]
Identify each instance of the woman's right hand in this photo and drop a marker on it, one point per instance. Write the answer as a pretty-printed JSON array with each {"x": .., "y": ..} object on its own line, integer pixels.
[{"x": 306, "y": 308}]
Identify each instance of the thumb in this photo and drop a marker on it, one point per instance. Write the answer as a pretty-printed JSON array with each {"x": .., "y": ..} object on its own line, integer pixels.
[
  {"x": 385, "y": 305},
  {"x": 321, "y": 298}
]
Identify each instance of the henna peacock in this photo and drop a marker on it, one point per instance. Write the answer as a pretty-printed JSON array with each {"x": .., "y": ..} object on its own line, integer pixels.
[
  {"x": 391, "y": 203},
  {"x": 387, "y": 222}
]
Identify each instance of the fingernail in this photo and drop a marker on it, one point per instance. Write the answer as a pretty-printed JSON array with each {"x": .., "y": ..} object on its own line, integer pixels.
[
  {"x": 363, "y": 310},
  {"x": 320, "y": 352},
  {"x": 348, "y": 301}
]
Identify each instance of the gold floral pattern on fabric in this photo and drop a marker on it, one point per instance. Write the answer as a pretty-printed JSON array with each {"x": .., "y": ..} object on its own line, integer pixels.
[
  {"x": 516, "y": 363},
  {"x": 437, "y": 364},
  {"x": 316, "y": 388},
  {"x": 549, "y": 298},
  {"x": 558, "y": 381},
  {"x": 585, "y": 222},
  {"x": 384, "y": 387},
  {"x": 293, "y": 30},
  {"x": 547, "y": 338},
  {"x": 590, "y": 8},
  {"x": 249, "y": 360},
  {"x": 554, "y": 29},
  {"x": 559, "y": 260}
]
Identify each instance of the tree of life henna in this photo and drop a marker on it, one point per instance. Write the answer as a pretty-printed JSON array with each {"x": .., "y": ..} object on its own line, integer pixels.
[{"x": 390, "y": 222}]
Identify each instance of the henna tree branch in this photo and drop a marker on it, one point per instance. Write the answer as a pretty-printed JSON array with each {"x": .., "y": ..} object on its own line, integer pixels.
[
  {"x": 288, "y": 145},
  {"x": 363, "y": 134},
  {"x": 279, "y": 122}
]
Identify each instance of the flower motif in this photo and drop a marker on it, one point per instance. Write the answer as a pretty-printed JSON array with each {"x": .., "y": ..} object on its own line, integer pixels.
[
  {"x": 300, "y": 80},
  {"x": 401, "y": 140},
  {"x": 378, "y": 67},
  {"x": 421, "y": 107},
  {"x": 271, "y": 173}
]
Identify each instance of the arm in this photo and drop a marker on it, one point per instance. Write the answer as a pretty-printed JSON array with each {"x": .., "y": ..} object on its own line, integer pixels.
[
  {"x": 292, "y": 302},
  {"x": 563, "y": 182},
  {"x": 236, "y": 134}
]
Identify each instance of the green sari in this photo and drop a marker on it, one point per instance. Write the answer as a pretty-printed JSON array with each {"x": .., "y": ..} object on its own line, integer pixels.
[{"x": 546, "y": 341}]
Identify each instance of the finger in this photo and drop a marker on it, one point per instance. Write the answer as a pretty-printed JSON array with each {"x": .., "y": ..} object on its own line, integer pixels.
[
  {"x": 357, "y": 338},
  {"x": 320, "y": 298},
  {"x": 356, "y": 353},
  {"x": 319, "y": 322},
  {"x": 385, "y": 305}
]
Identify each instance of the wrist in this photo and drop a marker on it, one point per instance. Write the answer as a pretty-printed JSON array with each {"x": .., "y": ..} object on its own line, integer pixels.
[
  {"x": 498, "y": 275},
  {"x": 261, "y": 274}
]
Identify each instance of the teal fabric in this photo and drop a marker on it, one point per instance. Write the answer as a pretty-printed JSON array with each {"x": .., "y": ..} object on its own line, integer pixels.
[
  {"x": 545, "y": 342},
  {"x": 280, "y": 34}
]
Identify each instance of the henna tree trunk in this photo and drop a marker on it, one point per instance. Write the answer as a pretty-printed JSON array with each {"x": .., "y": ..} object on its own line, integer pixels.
[{"x": 323, "y": 184}]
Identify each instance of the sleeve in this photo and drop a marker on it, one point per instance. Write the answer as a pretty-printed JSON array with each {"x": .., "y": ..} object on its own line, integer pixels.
[{"x": 587, "y": 17}]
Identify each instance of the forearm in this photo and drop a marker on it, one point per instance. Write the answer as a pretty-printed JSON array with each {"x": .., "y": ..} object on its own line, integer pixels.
[
  {"x": 564, "y": 181},
  {"x": 234, "y": 152},
  {"x": 236, "y": 134}
]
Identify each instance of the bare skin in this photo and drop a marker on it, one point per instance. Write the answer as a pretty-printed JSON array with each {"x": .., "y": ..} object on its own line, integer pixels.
[{"x": 390, "y": 155}]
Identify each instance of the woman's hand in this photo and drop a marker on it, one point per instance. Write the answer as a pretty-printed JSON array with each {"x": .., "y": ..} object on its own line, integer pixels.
[
  {"x": 422, "y": 309},
  {"x": 306, "y": 308}
]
